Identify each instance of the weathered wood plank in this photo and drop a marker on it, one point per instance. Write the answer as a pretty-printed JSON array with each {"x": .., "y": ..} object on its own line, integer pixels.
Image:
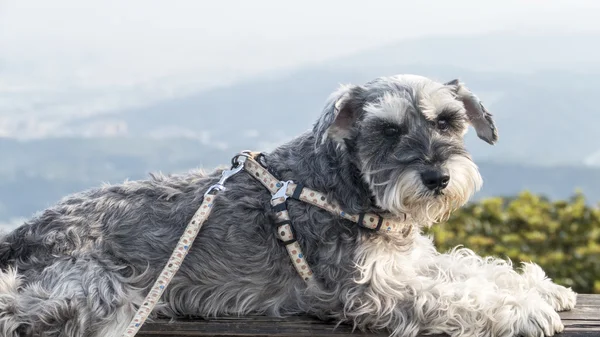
[
  {"x": 582, "y": 321},
  {"x": 250, "y": 326},
  {"x": 582, "y": 313},
  {"x": 588, "y": 300}
]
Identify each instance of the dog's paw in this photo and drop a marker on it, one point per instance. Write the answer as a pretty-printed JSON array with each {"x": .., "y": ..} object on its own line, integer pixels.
[
  {"x": 531, "y": 316},
  {"x": 559, "y": 297}
]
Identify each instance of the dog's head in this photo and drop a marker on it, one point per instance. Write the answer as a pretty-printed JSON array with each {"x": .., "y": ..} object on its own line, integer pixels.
[{"x": 405, "y": 134}]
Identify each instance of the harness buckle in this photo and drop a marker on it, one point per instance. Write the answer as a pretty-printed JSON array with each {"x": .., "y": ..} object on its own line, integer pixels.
[
  {"x": 281, "y": 192},
  {"x": 237, "y": 165}
]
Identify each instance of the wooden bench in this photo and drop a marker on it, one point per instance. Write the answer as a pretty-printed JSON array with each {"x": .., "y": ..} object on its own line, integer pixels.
[{"x": 584, "y": 320}]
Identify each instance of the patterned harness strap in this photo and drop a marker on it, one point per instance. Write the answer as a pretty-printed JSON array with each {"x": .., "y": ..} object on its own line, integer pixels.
[
  {"x": 299, "y": 192},
  {"x": 285, "y": 233},
  {"x": 282, "y": 190}
]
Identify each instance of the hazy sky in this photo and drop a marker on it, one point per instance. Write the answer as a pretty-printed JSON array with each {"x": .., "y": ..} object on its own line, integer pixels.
[
  {"x": 66, "y": 59},
  {"x": 118, "y": 42},
  {"x": 63, "y": 59}
]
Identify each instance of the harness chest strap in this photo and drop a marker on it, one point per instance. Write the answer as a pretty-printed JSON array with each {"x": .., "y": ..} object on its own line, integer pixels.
[
  {"x": 284, "y": 228},
  {"x": 299, "y": 192},
  {"x": 285, "y": 233},
  {"x": 282, "y": 190}
]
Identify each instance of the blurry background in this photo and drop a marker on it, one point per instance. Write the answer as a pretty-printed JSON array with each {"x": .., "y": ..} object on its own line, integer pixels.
[{"x": 102, "y": 91}]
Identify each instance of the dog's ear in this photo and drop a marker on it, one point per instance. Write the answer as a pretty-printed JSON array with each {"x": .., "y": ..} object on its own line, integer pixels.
[
  {"x": 342, "y": 110},
  {"x": 478, "y": 115}
]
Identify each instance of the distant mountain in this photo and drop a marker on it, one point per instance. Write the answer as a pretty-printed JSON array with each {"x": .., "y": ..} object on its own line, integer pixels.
[
  {"x": 545, "y": 118},
  {"x": 542, "y": 96},
  {"x": 36, "y": 174},
  {"x": 505, "y": 52},
  {"x": 541, "y": 90},
  {"x": 491, "y": 60}
]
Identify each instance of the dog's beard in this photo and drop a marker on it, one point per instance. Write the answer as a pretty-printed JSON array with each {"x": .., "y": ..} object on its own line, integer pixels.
[{"x": 408, "y": 195}]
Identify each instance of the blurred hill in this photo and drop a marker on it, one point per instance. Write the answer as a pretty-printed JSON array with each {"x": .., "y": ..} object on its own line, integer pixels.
[
  {"x": 541, "y": 90},
  {"x": 36, "y": 174}
]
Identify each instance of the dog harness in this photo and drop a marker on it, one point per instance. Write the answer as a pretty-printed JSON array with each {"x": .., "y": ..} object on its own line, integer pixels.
[{"x": 280, "y": 192}]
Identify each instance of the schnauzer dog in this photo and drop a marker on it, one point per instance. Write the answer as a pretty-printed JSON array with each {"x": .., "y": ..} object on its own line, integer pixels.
[{"x": 391, "y": 146}]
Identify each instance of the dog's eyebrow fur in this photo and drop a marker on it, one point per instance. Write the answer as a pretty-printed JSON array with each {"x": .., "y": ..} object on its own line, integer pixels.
[
  {"x": 451, "y": 114},
  {"x": 391, "y": 106},
  {"x": 431, "y": 99}
]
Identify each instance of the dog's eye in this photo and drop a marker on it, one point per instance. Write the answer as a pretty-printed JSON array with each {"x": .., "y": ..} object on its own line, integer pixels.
[
  {"x": 442, "y": 125},
  {"x": 391, "y": 131}
]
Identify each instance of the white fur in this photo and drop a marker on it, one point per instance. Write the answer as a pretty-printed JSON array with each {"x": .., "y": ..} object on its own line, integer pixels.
[
  {"x": 408, "y": 195},
  {"x": 390, "y": 106},
  {"x": 9, "y": 291},
  {"x": 458, "y": 293},
  {"x": 118, "y": 322},
  {"x": 405, "y": 285},
  {"x": 433, "y": 96}
]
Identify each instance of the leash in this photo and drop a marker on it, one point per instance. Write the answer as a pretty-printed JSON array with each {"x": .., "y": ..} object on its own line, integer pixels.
[
  {"x": 181, "y": 250},
  {"x": 280, "y": 192}
]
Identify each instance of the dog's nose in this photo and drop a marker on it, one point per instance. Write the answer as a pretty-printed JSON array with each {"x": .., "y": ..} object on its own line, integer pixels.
[{"x": 435, "y": 179}]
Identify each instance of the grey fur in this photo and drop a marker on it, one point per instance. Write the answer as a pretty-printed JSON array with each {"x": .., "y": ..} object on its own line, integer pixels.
[
  {"x": 479, "y": 117},
  {"x": 84, "y": 264}
]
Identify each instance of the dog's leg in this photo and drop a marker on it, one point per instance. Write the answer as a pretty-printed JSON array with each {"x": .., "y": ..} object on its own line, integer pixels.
[
  {"x": 503, "y": 301},
  {"x": 476, "y": 307},
  {"x": 418, "y": 290},
  {"x": 559, "y": 297},
  {"x": 72, "y": 297},
  {"x": 501, "y": 272},
  {"x": 434, "y": 303}
]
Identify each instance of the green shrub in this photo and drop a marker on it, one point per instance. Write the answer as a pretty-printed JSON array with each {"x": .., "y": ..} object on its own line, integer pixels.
[{"x": 563, "y": 237}]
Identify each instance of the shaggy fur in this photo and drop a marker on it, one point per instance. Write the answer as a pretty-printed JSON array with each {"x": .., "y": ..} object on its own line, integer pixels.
[{"x": 81, "y": 267}]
